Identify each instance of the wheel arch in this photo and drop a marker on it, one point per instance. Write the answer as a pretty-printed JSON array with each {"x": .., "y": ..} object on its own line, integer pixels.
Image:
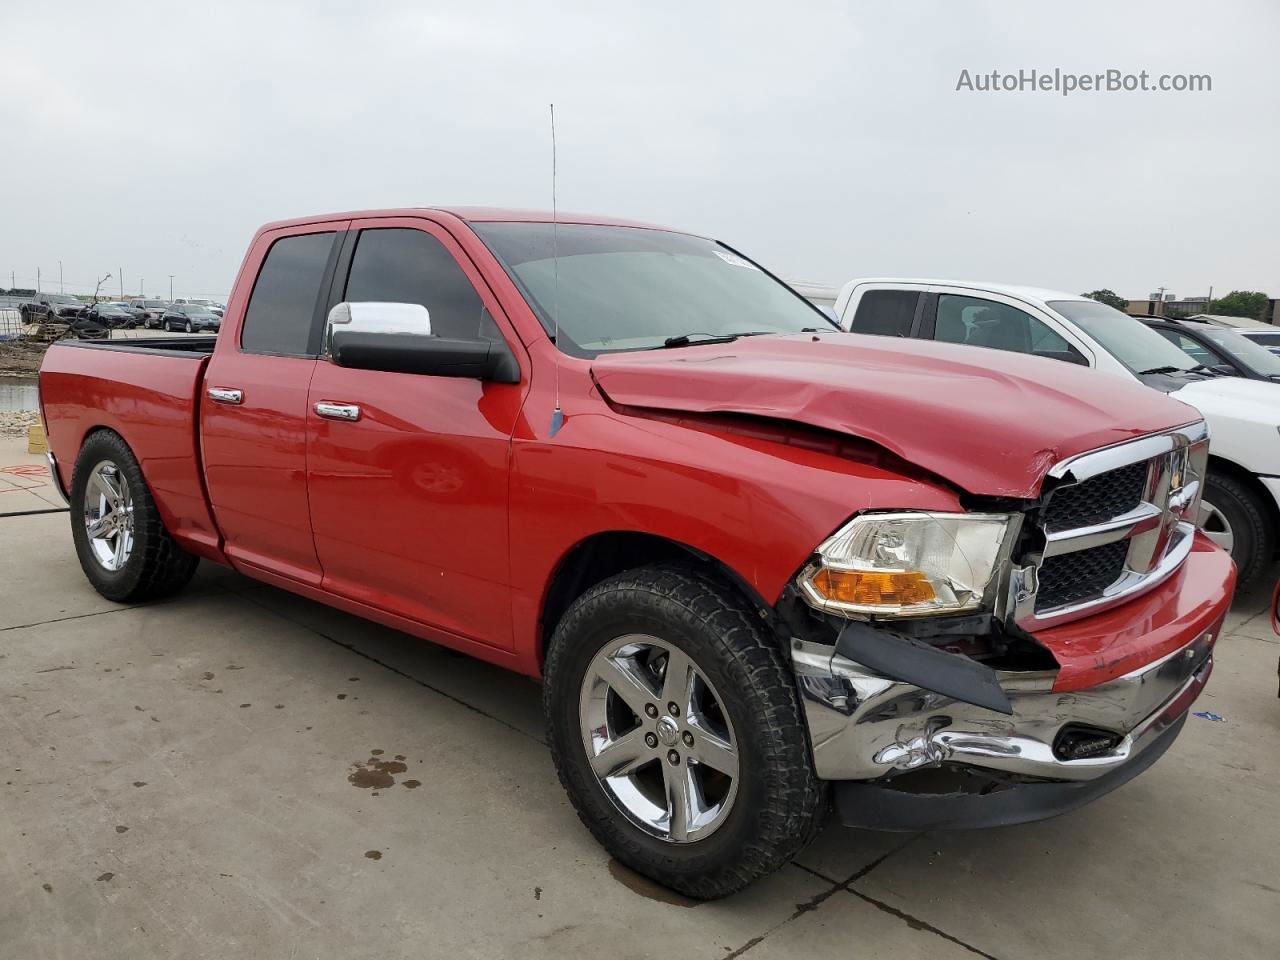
[
  {"x": 606, "y": 553},
  {"x": 1249, "y": 480}
]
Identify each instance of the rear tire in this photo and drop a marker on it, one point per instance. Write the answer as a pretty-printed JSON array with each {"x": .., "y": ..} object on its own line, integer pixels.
[
  {"x": 751, "y": 822},
  {"x": 121, "y": 542},
  {"x": 1235, "y": 517}
]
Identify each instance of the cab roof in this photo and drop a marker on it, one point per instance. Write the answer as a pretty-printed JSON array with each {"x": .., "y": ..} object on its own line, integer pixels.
[{"x": 474, "y": 215}]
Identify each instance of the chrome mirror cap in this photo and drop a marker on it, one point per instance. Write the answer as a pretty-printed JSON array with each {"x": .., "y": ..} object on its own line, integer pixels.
[{"x": 378, "y": 317}]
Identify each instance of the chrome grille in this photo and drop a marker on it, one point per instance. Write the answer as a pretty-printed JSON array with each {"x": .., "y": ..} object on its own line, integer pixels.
[
  {"x": 1115, "y": 522},
  {"x": 1107, "y": 495},
  {"x": 1072, "y": 577}
]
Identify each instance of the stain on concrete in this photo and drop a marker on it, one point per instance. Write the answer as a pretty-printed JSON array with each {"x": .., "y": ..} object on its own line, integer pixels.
[
  {"x": 648, "y": 888},
  {"x": 279, "y": 706},
  {"x": 342, "y": 696},
  {"x": 139, "y": 783},
  {"x": 243, "y": 705},
  {"x": 122, "y": 829},
  {"x": 375, "y": 774},
  {"x": 207, "y": 675},
  {"x": 353, "y": 679},
  {"x": 373, "y": 854},
  {"x": 106, "y": 876},
  {"x": 412, "y": 784},
  {"x": 232, "y": 666},
  {"x": 47, "y": 888},
  {"x": 54, "y": 669},
  {"x": 377, "y": 753},
  {"x": 537, "y": 893},
  {"x": 399, "y": 756}
]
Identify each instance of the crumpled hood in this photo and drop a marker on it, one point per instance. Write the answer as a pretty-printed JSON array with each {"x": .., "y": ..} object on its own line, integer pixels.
[{"x": 991, "y": 422}]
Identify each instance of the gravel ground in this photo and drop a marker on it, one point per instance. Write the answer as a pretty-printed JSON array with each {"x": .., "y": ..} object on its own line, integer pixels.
[
  {"x": 16, "y": 424},
  {"x": 19, "y": 358}
]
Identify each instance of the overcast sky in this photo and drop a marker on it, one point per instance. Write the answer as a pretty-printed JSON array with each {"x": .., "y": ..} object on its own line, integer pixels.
[{"x": 826, "y": 140}]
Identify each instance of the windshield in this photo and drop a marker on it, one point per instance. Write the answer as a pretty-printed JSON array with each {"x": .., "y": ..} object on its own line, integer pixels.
[
  {"x": 633, "y": 288},
  {"x": 195, "y": 310},
  {"x": 1249, "y": 352},
  {"x": 1135, "y": 345},
  {"x": 60, "y": 298},
  {"x": 150, "y": 304}
]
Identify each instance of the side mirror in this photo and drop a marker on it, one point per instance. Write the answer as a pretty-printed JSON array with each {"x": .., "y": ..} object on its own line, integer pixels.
[{"x": 397, "y": 338}]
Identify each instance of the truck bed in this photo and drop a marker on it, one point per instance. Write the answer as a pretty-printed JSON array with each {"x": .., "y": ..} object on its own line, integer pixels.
[{"x": 146, "y": 390}]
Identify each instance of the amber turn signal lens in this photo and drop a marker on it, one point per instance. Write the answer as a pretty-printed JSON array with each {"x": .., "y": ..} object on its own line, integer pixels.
[{"x": 873, "y": 587}]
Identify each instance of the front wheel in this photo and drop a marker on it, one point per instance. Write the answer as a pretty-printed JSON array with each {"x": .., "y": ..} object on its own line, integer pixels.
[
  {"x": 189, "y": 328},
  {"x": 1234, "y": 516},
  {"x": 121, "y": 541},
  {"x": 675, "y": 728}
]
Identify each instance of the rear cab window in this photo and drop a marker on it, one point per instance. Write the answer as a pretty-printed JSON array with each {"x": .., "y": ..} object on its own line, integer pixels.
[
  {"x": 889, "y": 313},
  {"x": 281, "y": 315}
]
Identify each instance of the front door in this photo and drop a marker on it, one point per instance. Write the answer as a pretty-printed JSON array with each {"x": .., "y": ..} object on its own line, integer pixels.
[
  {"x": 253, "y": 416},
  {"x": 409, "y": 500}
]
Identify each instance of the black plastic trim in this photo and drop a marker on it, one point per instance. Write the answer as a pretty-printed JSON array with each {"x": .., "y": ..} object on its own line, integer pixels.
[
  {"x": 902, "y": 658},
  {"x": 193, "y": 347}
]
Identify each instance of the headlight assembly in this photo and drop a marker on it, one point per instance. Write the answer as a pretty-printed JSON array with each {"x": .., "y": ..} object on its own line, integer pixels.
[{"x": 908, "y": 564}]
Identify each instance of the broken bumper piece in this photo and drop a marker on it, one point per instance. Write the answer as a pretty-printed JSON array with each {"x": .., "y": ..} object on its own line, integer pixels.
[{"x": 909, "y": 758}]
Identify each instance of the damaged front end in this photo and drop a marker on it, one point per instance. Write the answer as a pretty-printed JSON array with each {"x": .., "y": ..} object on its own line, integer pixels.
[{"x": 944, "y": 684}]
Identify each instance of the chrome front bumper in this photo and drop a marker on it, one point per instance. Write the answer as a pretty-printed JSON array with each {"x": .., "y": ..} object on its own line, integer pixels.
[{"x": 868, "y": 727}]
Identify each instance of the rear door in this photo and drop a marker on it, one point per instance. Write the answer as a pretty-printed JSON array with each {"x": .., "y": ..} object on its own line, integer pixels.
[
  {"x": 253, "y": 416},
  {"x": 409, "y": 500}
]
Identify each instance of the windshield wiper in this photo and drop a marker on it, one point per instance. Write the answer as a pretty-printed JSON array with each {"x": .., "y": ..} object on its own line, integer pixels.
[
  {"x": 1153, "y": 370},
  {"x": 685, "y": 339}
]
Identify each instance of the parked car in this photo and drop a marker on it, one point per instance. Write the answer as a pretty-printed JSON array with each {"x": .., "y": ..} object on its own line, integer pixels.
[
  {"x": 1224, "y": 350},
  {"x": 151, "y": 311},
  {"x": 1241, "y": 506},
  {"x": 113, "y": 315},
  {"x": 190, "y": 317},
  {"x": 755, "y": 561},
  {"x": 1268, "y": 338},
  {"x": 212, "y": 306},
  {"x": 51, "y": 307}
]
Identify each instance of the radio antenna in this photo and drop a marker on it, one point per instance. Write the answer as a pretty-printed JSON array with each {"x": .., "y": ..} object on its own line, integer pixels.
[{"x": 557, "y": 415}]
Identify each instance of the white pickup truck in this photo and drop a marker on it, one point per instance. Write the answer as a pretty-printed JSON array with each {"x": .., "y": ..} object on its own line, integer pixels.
[{"x": 1241, "y": 505}]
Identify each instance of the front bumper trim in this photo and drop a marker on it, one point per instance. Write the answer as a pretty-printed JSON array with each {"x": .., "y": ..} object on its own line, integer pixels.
[
  {"x": 864, "y": 726},
  {"x": 880, "y": 807}
]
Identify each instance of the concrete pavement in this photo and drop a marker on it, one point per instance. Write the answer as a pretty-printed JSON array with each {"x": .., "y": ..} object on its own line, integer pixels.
[{"x": 242, "y": 773}]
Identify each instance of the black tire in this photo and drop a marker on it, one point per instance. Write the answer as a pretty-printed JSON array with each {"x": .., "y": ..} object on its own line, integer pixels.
[
  {"x": 156, "y": 567},
  {"x": 1251, "y": 528},
  {"x": 188, "y": 327},
  {"x": 780, "y": 803}
]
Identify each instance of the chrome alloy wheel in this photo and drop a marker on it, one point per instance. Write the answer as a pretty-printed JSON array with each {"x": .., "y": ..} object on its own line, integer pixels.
[
  {"x": 108, "y": 516},
  {"x": 658, "y": 738},
  {"x": 1215, "y": 525}
]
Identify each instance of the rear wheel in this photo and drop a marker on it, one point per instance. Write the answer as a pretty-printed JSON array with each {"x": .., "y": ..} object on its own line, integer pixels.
[
  {"x": 1235, "y": 517},
  {"x": 675, "y": 728},
  {"x": 123, "y": 546}
]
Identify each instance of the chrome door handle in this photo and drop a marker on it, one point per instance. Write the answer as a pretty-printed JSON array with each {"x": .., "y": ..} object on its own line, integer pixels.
[
  {"x": 338, "y": 411},
  {"x": 225, "y": 395}
]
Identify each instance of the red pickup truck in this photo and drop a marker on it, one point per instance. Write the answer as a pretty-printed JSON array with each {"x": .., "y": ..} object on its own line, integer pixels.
[{"x": 758, "y": 563}]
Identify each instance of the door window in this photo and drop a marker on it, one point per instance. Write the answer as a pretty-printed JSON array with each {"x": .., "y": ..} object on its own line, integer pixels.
[
  {"x": 399, "y": 265},
  {"x": 886, "y": 312},
  {"x": 986, "y": 323},
  {"x": 281, "y": 314}
]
